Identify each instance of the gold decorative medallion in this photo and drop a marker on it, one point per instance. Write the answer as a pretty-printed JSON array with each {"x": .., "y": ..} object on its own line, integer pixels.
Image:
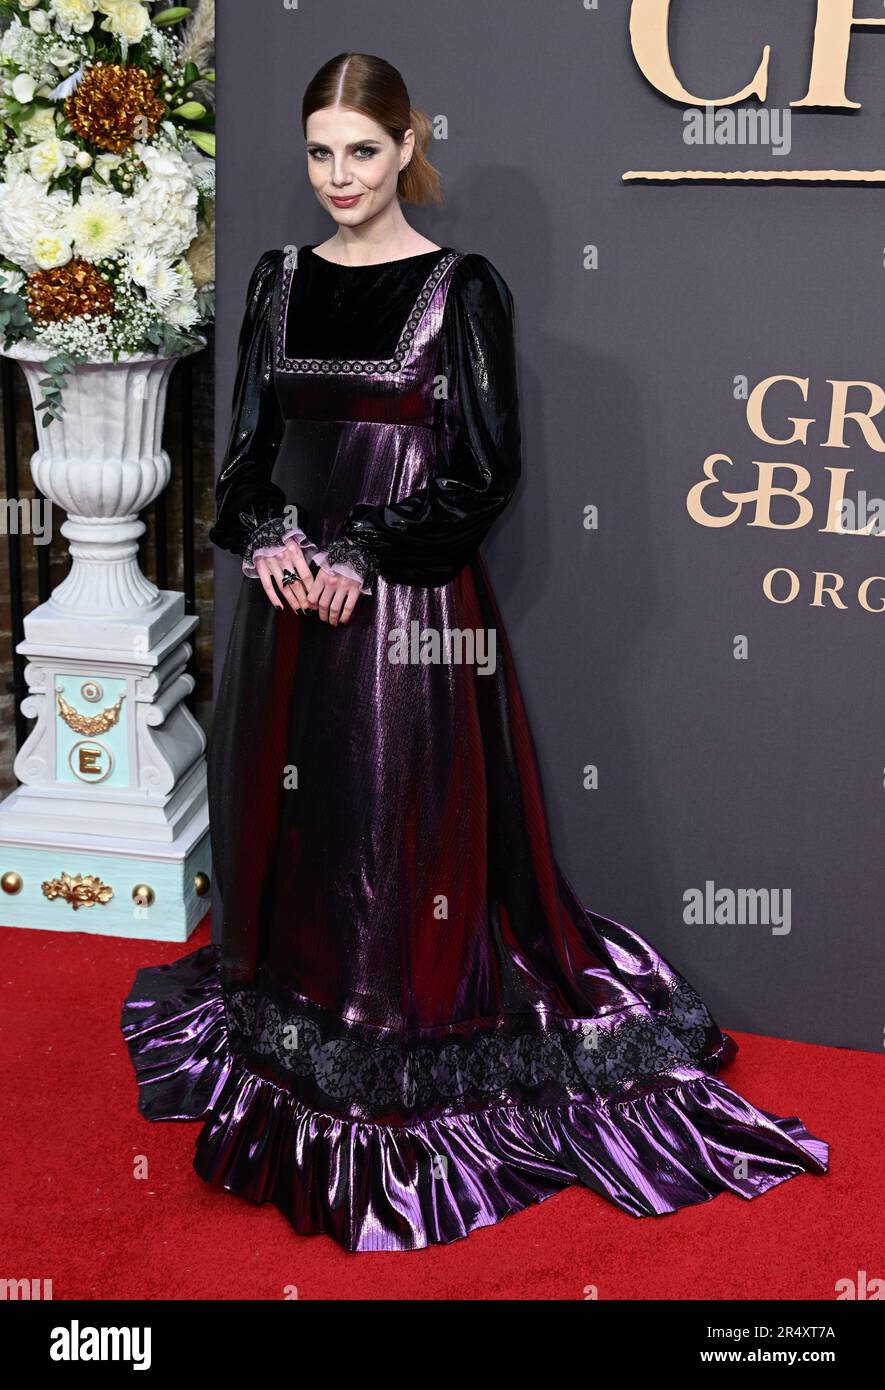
[{"x": 80, "y": 890}]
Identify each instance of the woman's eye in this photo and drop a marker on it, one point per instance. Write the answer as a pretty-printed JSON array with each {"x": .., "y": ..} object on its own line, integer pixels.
[{"x": 363, "y": 151}]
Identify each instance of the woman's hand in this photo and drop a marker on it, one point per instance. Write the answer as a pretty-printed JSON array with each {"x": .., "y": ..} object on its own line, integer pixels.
[
  {"x": 333, "y": 596},
  {"x": 270, "y": 567}
]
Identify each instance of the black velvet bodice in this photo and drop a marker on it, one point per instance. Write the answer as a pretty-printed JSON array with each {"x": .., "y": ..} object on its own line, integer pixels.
[{"x": 342, "y": 312}]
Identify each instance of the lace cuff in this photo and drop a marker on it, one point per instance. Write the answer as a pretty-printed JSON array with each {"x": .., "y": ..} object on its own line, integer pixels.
[
  {"x": 348, "y": 557},
  {"x": 269, "y": 538}
]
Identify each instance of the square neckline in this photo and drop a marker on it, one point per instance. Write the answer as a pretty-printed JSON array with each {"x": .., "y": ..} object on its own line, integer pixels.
[{"x": 352, "y": 365}]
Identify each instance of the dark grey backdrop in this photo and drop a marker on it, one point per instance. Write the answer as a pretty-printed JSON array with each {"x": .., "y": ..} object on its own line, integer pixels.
[{"x": 765, "y": 773}]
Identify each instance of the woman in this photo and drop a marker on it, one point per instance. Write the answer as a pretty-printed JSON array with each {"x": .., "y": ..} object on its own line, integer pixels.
[{"x": 412, "y": 1027}]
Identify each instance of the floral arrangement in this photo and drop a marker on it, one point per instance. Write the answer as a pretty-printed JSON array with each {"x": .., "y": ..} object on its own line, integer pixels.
[{"x": 107, "y": 180}]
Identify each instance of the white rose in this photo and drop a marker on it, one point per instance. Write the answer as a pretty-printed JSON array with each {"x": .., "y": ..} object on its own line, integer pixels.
[
  {"x": 128, "y": 19},
  {"x": 40, "y": 22},
  {"x": 50, "y": 158},
  {"x": 50, "y": 249},
  {"x": 11, "y": 281},
  {"x": 29, "y": 4},
  {"x": 23, "y": 88}
]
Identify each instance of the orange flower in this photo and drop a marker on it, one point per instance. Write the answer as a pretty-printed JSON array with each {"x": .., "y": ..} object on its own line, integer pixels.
[
  {"x": 68, "y": 292},
  {"x": 115, "y": 106}
]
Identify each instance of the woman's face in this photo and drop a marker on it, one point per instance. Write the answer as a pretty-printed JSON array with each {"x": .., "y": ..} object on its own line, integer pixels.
[{"x": 353, "y": 163}]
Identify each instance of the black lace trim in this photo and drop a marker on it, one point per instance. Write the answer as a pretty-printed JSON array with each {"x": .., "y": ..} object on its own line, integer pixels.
[
  {"x": 377, "y": 1075},
  {"x": 348, "y": 552},
  {"x": 261, "y": 533}
]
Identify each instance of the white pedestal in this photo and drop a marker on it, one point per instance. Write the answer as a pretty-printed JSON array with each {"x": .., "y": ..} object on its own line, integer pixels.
[{"x": 108, "y": 831}]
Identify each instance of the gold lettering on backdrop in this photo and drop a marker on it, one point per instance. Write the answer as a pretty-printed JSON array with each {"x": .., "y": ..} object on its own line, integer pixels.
[
  {"x": 650, "y": 37},
  {"x": 787, "y": 485},
  {"x": 834, "y": 27},
  {"x": 829, "y": 58}
]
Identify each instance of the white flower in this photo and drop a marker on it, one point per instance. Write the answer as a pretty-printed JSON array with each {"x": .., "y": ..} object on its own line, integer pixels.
[
  {"x": 159, "y": 279},
  {"x": 29, "y": 4},
  {"x": 11, "y": 281},
  {"x": 23, "y": 88},
  {"x": 84, "y": 159},
  {"x": 21, "y": 46},
  {"x": 169, "y": 166},
  {"x": 163, "y": 207},
  {"x": 60, "y": 56},
  {"x": 98, "y": 225},
  {"x": 128, "y": 19},
  {"x": 50, "y": 158},
  {"x": 51, "y": 249},
  {"x": 183, "y": 314},
  {"x": 40, "y": 22},
  {"x": 77, "y": 14},
  {"x": 27, "y": 209},
  {"x": 105, "y": 163},
  {"x": 40, "y": 126}
]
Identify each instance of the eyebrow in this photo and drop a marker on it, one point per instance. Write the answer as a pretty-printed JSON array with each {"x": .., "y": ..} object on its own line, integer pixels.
[{"x": 354, "y": 144}]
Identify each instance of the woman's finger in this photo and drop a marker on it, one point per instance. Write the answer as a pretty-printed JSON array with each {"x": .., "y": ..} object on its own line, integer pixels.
[
  {"x": 316, "y": 588},
  {"x": 295, "y": 555},
  {"x": 291, "y": 592},
  {"x": 350, "y": 604},
  {"x": 336, "y": 606},
  {"x": 264, "y": 574},
  {"x": 324, "y": 599}
]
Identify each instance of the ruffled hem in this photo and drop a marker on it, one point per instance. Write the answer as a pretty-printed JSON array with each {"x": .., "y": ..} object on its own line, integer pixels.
[{"x": 383, "y": 1187}]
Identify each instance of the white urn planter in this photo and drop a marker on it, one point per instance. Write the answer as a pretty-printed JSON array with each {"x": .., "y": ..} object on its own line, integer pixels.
[{"x": 108, "y": 831}]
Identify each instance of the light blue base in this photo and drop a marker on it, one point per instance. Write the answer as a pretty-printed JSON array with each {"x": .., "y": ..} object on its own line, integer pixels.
[{"x": 174, "y": 914}]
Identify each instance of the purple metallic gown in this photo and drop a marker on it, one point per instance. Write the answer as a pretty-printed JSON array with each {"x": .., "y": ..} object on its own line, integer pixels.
[{"x": 411, "y": 1025}]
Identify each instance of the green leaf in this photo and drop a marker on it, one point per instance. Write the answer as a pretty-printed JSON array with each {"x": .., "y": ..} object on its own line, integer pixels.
[
  {"x": 203, "y": 140},
  {"x": 171, "y": 16},
  {"x": 190, "y": 111},
  {"x": 191, "y": 74}
]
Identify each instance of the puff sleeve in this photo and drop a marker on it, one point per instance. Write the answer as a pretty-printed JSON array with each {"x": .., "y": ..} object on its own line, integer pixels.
[
  {"x": 249, "y": 507},
  {"x": 428, "y": 537}
]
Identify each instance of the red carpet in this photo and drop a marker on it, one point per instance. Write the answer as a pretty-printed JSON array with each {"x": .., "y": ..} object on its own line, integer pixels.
[{"x": 72, "y": 1209}]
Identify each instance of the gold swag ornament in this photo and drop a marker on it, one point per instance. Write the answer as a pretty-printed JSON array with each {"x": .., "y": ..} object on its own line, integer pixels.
[
  {"x": 69, "y": 291},
  {"x": 114, "y": 106},
  {"x": 88, "y": 724}
]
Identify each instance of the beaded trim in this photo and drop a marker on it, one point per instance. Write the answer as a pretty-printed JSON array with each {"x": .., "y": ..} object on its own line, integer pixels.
[{"x": 326, "y": 365}]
